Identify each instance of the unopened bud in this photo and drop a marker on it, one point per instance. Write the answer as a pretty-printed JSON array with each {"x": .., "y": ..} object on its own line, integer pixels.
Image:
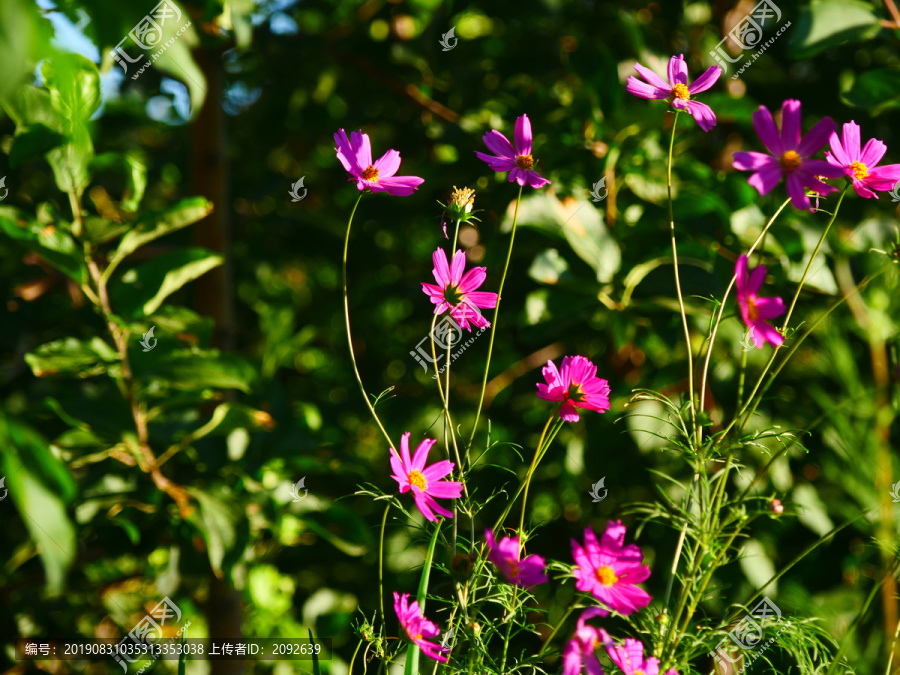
[{"x": 777, "y": 507}]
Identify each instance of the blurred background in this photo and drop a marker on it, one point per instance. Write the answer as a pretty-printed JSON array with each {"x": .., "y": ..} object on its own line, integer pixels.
[{"x": 243, "y": 105}]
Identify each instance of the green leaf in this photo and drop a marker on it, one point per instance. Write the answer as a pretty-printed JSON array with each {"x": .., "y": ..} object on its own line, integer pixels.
[
  {"x": 412, "y": 654},
  {"x": 32, "y": 141},
  {"x": 222, "y": 527},
  {"x": 548, "y": 267},
  {"x": 226, "y": 418},
  {"x": 74, "y": 85},
  {"x": 579, "y": 222},
  {"x": 99, "y": 230},
  {"x": 197, "y": 369},
  {"x": 179, "y": 63},
  {"x": 142, "y": 290},
  {"x": 315, "y": 658},
  {"x": 53, "y": 245},
  {"x": 40, "y": 487},
  {"x": 135, "y": 175},
  {"x": 72, "y": 356},
  {"x": 70, "y": 161},
  {"x": 876, "y": 90},
  {"x": 155, "y": 225},
  {"x": 827, "y": 23}
]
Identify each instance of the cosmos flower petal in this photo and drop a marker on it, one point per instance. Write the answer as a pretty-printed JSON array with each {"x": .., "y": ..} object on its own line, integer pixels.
[
  {"x": 345, "y": 153},
  {"x": 816, "y": 138},
  {"x": 769, "y": 308},
  {"x": 457, "y": 265},
  {"x": 790, "y": 126},
  {"x": 388, "y": 164},
  {"x": 754, "y": 161},
  {"x": 654, "y": 79},
  {"x": 852, "y": 142},
  {"x": 523, "y": 135},
  {"x": 701, "y": 112},
  {"x": 499, "y": 144},
  {"x": 838, "y": 156},
  {"x": 765, "y": 180},
  {"x": 767, "y": 131},
  {"x": 756, "y": 279},
  {"x": 362, "y": 148},
  {"x": 677, "y": 70},
  {"x": 872, "y": 153},
  {"x": 796, "y": 192},
  {"x": 498, "y": 164},
  {"x": 740, "y": 274},
  {"x": 421, "y": 456},
  {"x": 706, "y": 80},
  {"x": 643, "y": 90}
]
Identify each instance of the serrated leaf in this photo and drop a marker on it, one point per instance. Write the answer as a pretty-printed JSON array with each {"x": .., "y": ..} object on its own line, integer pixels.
[
  {"x": 142, "y": 290},
  {"x": 71, "y": 356},
  {"x": 155, "y": 225},
  {"x": 52, "y": 244}
]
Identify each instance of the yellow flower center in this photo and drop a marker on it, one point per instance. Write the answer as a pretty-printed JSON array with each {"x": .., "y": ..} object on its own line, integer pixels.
[
  {"x": 606, "y": 575},
  {"x": 462, "y": 199},
  {"x": 860, "y": 170},
  {"x": 370, "y": 174},
  {"x": 752, "y": 309},
  {"x": 639, "y": 672},
  {"x": 417, "y": 479},
  {"x": 790, "y": 160},
  {"x": 524, "y": 161},
  {"x": 681, "y": 91},
  {"x": 418, "y": 636}
]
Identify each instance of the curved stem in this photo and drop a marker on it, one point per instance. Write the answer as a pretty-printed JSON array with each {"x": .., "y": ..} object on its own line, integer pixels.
[
  {"x": 362, "y": 389},
  {"x": 487, "y": 365},
  {"x": 537, "y": 455},
  {"x": 381, "y": 564},
  {"x": 684, "y": 323}
]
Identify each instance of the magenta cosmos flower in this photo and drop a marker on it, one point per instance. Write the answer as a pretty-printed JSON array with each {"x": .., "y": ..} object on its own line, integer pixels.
[
  {"x": 576, "y": 385},
  {"x": 425, "y": 482},
  {"x": 629, "y": 656},
  {"x": 755, "y": 310},
  {"x": 677, "y": 89},
  {"x": 456, "y": 291},
  {"x": 515, "y": 159},
  {"x": 862, "y": 166},
  {"x": 529, "y": 571},
  {"x": 417, "y": 627},
  {"x": 356, "y": 156},
  {"x": 610, "y": 570},
  {"x": 790, "y": 155},
  {"x": 581, "y": 650}
]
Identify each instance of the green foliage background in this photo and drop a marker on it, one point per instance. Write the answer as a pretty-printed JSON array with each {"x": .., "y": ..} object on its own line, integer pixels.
[{"x": 587, "y": 278}]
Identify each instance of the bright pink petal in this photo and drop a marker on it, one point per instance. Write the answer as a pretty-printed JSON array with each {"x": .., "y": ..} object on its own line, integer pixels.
[
  {"x": 499, "y": 144},
  {"x": 653, "y": 78},
  {"x": 740, "y": 274},
  {"x": 704, "y": 115},
  {"x": 756, "y": 279},
  {"x": 404, "y": 451},
  {"x": 441, "y": 269},
  {"x": 421, "y": 456},
  {"x": 497, "y": 163},
  {"x": 457, "y": 265},
  {"x": 535, "y": 180},
  {"x": 345, "y": 153},
  {"x": 523, "y": 135},
  {"x": 482, "y": 299},
  {"x": 767, "y": 131},
  {"x": 872, "y": 153},
  {"x": 643, "y": 90},
  {"x": 790, "y": 125},
  {"x": 769, "y": 308},
  {"x": 445, "y": 489},
  {"x": 706, "y": 80},
  {"x": 677, "y": 70},
  {"x": 839, "y": 156},
  {"x": 398, "y": 186},
  {"x": 851, "y": 141},
  {"x": 754, "y": 161},
  {"x": 817, "y": 137},
  {"x": 388, "y": 164},
  {"x": 763, "y": 332},
  {"x": 796, "y": 192},
  {"x": 765, "y": 180},
  {"x": 362, "y": 149},
  {"x": 437, "y": 471}
]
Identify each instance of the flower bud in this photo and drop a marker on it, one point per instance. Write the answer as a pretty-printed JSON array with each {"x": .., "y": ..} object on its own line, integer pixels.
[{"x": 777, "y": 507}]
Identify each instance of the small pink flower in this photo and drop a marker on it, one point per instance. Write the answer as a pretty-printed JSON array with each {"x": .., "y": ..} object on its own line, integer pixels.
[
  {"x": 755, "y": 310},
  {"x": 790, "y": 155},
  {"x": 526, "y": 572},
  {"x": 677, "y": 88},
  {"x": 516, "y": 158},
  {"x": 777, "y": 506},
  {"x": 610, "y": 570},
  {"x": 576, "y": 385},
  {"x": 862, "y": 167},
  {"x": 417, "y": 626},
  {"x": 630, "y": 658},
  {"x": 581, "y": 650},
  {"x": 456, "y": 291},
  {"x": 424, "y": 481},
  {"x": 356, "y": 157}
]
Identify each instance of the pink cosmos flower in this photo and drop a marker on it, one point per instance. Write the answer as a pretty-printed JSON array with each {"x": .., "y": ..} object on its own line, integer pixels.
[
  {"x": 515, "y": 159},
  {"x": 417, "y": 626},
  {"x": 755, "y": 310},
  {"x": 356, "y": 156},
  {"x": 526, "y": 572},
  {"x": 610, "y": 570},
  {"x": 424, "y": 482},
  {"x": 862, "y": 167},
  {"x": 456, "y": 291},
  {"x": 581, "y": 650},
  {"x": 677, "y": 88},
  {"x": 790, "y": 155},
  {"x": 630, "y": 658},
  {"x": 575, "y": 384}
]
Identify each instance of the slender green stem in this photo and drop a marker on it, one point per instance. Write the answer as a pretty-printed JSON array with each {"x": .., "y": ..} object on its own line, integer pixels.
[
  {"x": 381, "y": 564},
  {"x": 556, "y": 629},
  {"x": 715, "y": 329},
  {"x": 684, "y": 322},
  {"x": 509, "y": 624},
  {"x": 677, "y": 557},
  {"x": 893, "y": 649},
  {"x": 741, "y": 377},
  {"x": 487, "y": 365},
  {"x": 349, "y": 334}
]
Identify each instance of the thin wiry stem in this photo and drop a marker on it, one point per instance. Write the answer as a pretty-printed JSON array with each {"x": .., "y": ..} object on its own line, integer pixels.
[
  {"x": 349, "y": 334},
  {"x": 487, "y": 365}
]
